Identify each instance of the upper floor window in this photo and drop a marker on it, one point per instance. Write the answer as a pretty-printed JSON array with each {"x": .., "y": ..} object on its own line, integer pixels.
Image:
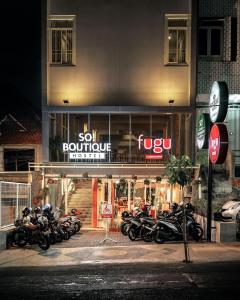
[
  {"x": 210, "y": 38},
  {"x": 62, "y": 40},
  {"x": 177, "y": 40}
]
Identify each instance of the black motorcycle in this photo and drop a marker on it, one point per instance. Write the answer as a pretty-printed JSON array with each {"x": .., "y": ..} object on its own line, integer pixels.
[
  {"x": 140, "y": 227},
  {"x": 125, "y": 224},
  {"x": 170, "y": 228},
  {"x": 33, "y": 234}
]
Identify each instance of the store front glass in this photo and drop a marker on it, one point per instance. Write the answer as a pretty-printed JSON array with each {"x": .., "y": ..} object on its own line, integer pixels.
[{"x": 133, "y": 138}]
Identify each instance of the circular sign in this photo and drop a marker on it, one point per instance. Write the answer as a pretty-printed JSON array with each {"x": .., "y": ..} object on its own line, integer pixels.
[
  {"x": 203, "y": 131},
  {"x": 218, "y": 143},
  {"x": 218, "y": 102}
]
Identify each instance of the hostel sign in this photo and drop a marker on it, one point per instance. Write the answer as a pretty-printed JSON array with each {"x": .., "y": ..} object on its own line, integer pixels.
[{"x": 86, "y": 148}]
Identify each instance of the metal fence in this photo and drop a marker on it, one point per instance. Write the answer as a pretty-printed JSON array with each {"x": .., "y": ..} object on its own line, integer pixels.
[{"x": 13, "y": 198}]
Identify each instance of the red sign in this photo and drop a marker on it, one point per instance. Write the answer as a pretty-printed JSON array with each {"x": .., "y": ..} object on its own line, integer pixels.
[
  {"x": 218, "y": 143},
  {"x": 153, "y": 156},
  {"x": 106, "y": 210}
]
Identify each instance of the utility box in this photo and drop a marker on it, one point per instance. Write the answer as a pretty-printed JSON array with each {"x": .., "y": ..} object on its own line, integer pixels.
[{"x": 226, "y": 232}]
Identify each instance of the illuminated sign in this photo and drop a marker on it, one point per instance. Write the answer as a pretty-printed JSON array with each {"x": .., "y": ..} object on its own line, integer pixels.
[
  {"x": 86, "y": 148},
  {"x": 218, "y": 102},
  {"x": 218, "y": 143},
  {"x": 156, "y": 145},
  {"x": 203, "y": 124}
]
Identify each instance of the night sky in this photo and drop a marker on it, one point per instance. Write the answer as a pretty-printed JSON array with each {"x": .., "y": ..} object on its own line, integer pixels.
[{"x": 20, "y": 50}]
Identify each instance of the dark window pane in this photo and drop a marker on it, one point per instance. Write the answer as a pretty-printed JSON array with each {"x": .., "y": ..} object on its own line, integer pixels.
[
  {"x": 17, "y": 160},
  {"x": 215, "y": 42},
  {"x": 233, "y": 39},
  {"x": 61, "y": 23},
  {"x": 172, "y": 37},
  {"x": 211, "y": 23},
  {"x": 202, "y": 42},
  {"x": 177, "y": 23},
  {"x": 181, "y": 46},
  {"x": 237, "y": 171}
]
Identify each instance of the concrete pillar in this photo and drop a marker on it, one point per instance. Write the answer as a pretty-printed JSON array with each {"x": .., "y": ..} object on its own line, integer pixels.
[
  {"x": 45, "y": 135},
  {"x": 129, "y": 195},
  {"x": 1, "y": 159}
]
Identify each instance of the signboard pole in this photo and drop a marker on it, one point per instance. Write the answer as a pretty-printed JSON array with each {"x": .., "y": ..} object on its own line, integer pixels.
[
  {"x": 107, "y": 214},
  {"x": 209, "y": 203},
  {"x": 106, "y": 232}
]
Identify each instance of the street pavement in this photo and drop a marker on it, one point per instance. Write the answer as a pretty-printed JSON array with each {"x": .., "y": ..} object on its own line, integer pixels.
[{"x": 83, "y": 268}]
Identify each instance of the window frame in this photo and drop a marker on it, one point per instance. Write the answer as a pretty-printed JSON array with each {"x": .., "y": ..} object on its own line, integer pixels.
[
  {"x": 73, "y": 29},
  {"x": 187, "y": 28},
  {"x": 209, "y": 35}
]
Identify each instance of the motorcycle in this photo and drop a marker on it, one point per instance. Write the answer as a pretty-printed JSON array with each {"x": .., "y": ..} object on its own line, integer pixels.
[
  {"x": 125, "y": 224},
  {"x": 140, "y": 227},
  {"x": 74, "y": 217},
  {"x": 33, "y": 234},
  {"x": 171, "y": 228}
]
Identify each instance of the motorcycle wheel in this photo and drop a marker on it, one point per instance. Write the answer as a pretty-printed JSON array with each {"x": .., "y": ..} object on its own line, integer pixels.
[
  {"x": 132, "y": 234},
  {"x": 197, "y": 233},
  {"x": 9, "y": 240},
  {"x": 59, "y": 238},
  {"x": 159, "y": 238},
  {"x": 146, "y": 236},
  {"x": 66, "y": 235},
  {"x": 73, "y": 231},
  {"x": 77, "y": 227},
  {"x": 20, "y": 240},
  {"x": 52, "y": 238},
  {"x": 44, "y": 242},
  {"x": 123, "y": 228}
]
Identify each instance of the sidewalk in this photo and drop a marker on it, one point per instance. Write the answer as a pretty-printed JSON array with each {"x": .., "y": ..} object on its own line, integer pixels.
[{"x": 140, "y": 253}]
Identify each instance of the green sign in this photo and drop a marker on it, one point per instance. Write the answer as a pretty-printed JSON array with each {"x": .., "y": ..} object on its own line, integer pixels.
[{"x": 202, "y": 131}]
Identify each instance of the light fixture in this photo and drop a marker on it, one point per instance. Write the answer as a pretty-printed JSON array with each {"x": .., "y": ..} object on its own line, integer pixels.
[
  {"x": 65, "y": 101},
  {"x": 171, "y": 101}
]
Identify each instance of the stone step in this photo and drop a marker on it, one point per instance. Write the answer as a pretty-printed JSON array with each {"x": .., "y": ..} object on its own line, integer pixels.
[
  {"x": 85, "y": 206},
  {"x": 79, "y": 203},
  {"x": 80, "y": 200},
  {"x": 87, "y": 196},
  {"x": 81, "y": 196},
  {"x": 82, "y": 191}
]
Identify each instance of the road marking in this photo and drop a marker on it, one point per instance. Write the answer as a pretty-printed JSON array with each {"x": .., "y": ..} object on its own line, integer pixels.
[{"x": 189, "y": 278}]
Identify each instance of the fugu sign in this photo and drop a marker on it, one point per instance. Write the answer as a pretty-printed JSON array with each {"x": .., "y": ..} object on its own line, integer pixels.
[
  {"x": 86, "y": 148},
  {"x": 156, "y": 145}
]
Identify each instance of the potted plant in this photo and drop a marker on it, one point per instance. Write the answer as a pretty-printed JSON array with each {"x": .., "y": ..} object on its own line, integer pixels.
[
  {"x": 134, "y": 177},
  {"x": 146, "y": 181},
  {"x": 158, "y": 179},
  {"x": 85, "y": 175}
]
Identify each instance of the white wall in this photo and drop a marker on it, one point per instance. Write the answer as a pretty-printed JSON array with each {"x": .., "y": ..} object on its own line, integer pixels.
[{"x": 120, "y": 55}]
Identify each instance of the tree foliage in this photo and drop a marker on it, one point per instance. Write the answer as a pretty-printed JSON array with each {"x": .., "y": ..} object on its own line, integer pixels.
[{"x": 178, "y": 170}]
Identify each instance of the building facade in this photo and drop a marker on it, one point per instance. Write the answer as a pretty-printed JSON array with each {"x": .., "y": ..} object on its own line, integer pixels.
[
  {"x": 218, "y": 59},
  {"x": 118, "y": 90}
]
